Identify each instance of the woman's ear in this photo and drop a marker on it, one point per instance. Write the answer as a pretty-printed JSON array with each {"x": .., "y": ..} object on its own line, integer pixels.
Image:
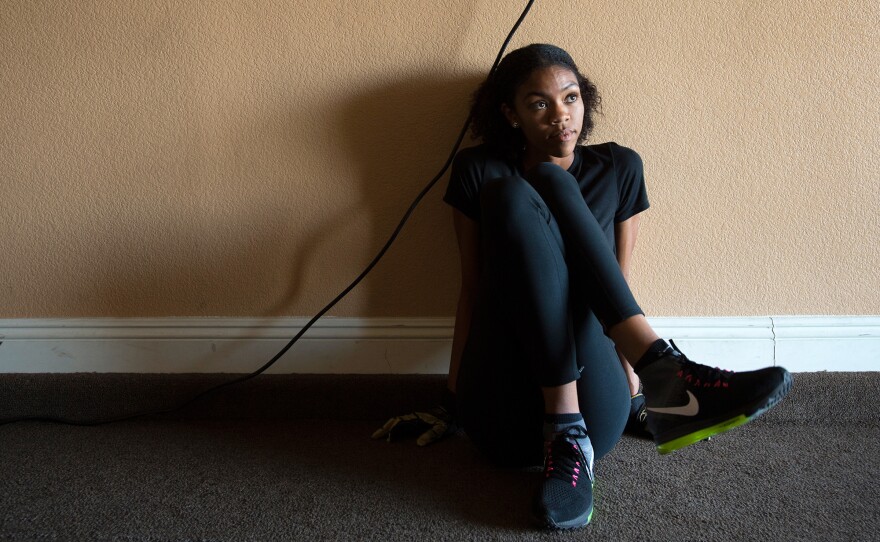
[{"x": 510, "y": 114}]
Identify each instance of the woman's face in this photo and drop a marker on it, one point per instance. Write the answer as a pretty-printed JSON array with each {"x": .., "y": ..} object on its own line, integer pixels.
[{"x": 549, "y": 111}]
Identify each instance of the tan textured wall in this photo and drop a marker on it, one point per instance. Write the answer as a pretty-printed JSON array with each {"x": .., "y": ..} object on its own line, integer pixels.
[{"x": 249, "y": 157}]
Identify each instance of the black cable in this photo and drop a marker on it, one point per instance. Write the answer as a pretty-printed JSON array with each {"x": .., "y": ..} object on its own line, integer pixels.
[{"x": 321, "y": 313}]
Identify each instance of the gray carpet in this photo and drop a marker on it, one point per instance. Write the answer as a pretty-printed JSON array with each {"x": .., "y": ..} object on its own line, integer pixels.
[{"x": 289, "y": 458}]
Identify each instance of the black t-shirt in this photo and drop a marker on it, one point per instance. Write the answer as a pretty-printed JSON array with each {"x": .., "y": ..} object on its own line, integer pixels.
[{"x": 610, "y": 177}]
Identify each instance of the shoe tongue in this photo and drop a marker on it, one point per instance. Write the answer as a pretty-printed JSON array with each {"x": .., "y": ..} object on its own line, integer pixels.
[
  {"x": 571, "y": 446},
  {"x": 564, "y": 452},
  {"x": 705, "y": 372}
]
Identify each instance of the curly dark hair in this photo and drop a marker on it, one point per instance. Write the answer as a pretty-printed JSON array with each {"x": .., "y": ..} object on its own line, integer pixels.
[{"x": 488, "y": 120}]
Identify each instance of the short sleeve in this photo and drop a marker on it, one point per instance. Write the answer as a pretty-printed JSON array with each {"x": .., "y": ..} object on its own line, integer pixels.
[
  {"x": 632, "y": 193},
  {"x": 463, "y": 191}
]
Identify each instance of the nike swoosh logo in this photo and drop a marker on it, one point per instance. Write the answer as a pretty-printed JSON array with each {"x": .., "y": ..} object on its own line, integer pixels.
[{"x": 690, "y": 409}]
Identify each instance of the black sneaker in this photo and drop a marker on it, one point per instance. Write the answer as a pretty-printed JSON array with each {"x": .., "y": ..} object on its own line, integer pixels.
[
  {"x": 688, "y": 402},
  {"x": 566, "y": 497}
]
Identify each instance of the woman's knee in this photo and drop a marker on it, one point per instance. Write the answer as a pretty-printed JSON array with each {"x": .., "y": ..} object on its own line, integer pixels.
[
  {"x": 548, "y": 170},
  {"x": 547, "y": 178},
  {"x": 507, "y": 196}
]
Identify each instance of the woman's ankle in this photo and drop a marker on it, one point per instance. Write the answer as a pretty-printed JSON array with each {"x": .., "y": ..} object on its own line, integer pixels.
[
  {"x": 561, "y": 399},
  {"x": 633, "y": 336}
]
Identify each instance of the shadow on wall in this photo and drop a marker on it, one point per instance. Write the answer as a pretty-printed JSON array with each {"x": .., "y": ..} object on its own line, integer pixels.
[
  {"x": 399, "y": 136},
  {"x": 394, "y": 137},
  {"x": 261, "y": 256}
]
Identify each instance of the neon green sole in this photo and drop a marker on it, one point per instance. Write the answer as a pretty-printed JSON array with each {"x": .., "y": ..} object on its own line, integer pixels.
[{"x": 702, "y": 434}]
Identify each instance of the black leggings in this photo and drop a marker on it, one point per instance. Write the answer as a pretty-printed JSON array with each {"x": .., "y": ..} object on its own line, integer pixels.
[{"x": 550, "y": 281}]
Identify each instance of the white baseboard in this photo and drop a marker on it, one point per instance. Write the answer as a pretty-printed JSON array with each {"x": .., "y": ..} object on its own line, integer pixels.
[{"x": 395, "y": 345}]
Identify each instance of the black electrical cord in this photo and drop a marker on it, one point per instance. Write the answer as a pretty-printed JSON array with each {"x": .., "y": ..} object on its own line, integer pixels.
[{"x": 321, "y": 313}]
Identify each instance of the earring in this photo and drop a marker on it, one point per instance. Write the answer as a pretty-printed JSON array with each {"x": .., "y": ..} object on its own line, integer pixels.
[{"x": 516, "y": 125}]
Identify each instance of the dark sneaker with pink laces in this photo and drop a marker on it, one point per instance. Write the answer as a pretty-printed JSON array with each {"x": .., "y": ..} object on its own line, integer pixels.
[
  {"x": 688, "y": 402},
  {"x": 565, "y": 500}
]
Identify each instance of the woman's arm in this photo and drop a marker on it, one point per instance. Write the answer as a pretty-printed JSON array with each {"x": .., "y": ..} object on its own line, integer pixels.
[
  {"x": 467, "y": 231},
  {"x": 625, "y": 234}
]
